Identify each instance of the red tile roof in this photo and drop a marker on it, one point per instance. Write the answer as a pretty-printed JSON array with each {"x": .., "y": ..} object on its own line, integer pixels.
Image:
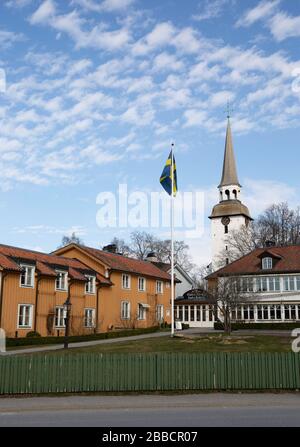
[
  {"x": 286, "y": 260},
  {"x": 11, "y": 257},
  {"x": 128, "y": 265}
]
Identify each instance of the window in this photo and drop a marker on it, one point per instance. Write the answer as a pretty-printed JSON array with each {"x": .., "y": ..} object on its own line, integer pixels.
[
  {"x": 274, "y": 284},
  {"x": 142, "y": 284},
  {"x": 226, "y": 229},
  {"x": 267, "y": 263},
  {"x": 59, "y": 317},
  {"x": 89, "y": 317},
  {"x": 61, "y": 281},
  {"x": 289, "y": 283},
  {"x": 141, "y": 312},
  {"x": 125, "y": 310},
  {"x": 159, "y": 287},
  {"x": 90, "y": 285},
  {"x": 126, "y": 281},
  {"x": 27, "y": 276},
  {"x": 159, "y": 312},
  {"x": 25, "y": 316},
  {"x": 247, "y": 285}
]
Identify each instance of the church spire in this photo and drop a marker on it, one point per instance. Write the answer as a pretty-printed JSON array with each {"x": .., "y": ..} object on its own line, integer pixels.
[{"x": 229, "y": 175}]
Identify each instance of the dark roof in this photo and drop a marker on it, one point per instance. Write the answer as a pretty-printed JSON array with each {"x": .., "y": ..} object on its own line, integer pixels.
[
  {"x": 46, "y": 264},
  {"x": 286, "y": 260},
  {"x": 230, "y": 208},
  {"x": 124, "y": 264}
]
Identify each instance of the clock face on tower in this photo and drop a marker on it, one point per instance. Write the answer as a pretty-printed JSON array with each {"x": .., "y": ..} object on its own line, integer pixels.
[{"x": 225, "y": 221}]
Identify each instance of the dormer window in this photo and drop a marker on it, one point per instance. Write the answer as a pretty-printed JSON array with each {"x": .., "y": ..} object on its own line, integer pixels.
[
  {"x": 90, "y": 285},
  {"x": 27, "y": 276},
  {"x": 267, "y": 263},
  {"x": 61, "y": 281}
]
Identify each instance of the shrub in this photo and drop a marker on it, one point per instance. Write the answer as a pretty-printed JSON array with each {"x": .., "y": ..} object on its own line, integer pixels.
[
  {"x": 10, "y": 342},
  {"x": 33, "y": 334},
  {"x": 258, "y": 326}
]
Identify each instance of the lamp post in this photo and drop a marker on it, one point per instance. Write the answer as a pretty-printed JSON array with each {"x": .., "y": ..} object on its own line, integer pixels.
[{"x": 67, "y": 310}]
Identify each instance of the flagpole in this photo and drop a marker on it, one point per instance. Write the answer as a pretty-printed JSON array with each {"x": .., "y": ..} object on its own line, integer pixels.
[{"x": 172, "y": 244}]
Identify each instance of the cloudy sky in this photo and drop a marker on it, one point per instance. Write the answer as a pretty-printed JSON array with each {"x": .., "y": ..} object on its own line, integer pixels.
[{"x": 96, "y": 91}]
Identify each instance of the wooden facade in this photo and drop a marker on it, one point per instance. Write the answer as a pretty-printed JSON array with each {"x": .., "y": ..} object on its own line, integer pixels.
[{"x": 40, "y": 306}]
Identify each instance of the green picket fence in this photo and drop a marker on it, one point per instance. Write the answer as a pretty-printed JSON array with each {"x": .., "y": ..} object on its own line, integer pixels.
[{"x": 148, "y": 372}]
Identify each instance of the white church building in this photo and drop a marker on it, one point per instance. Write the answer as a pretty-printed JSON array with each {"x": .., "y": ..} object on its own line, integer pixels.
[{"x": 230, "y": 213}]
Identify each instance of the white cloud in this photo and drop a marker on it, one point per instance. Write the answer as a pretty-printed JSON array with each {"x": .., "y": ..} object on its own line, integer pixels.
[
  {"x": 194, "y": 117},
  {"x": 283, "y": 26},
  {"x": 211, "y": 10},
  {"x": 8, "y": 38},
  {"x": 17, "y": 3},
  {"x": 106, "y": 5},
  {"x": 73, "y": 25},
  {"x": 165, "y": 61},
  {"x": 116, "y": 5},
  {"x": 99, "y": 156},
  {"x": 221, "y": 98},
  {"x": 260, "y": 194},
  {"x": 44, "y": 13},
  {"x": 263, "y": 10},
  {"x": 161, "y": 35}
]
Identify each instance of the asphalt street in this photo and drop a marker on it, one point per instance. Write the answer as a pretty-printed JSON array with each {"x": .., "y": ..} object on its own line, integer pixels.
[{"x": 202, "y": 410}]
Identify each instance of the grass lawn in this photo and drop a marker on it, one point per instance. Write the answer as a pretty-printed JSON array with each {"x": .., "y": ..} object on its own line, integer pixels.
[{"x": 208, "y": 343}]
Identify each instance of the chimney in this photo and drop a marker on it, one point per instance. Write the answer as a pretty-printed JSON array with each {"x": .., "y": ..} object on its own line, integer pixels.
[
  {"x": 270, "y": 243},
  {"x": 111, "y": 248},
  {"x": 151, "y": 257}
]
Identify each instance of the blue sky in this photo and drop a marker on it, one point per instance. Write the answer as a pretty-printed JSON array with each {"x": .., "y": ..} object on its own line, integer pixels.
[{"x": 96, "y": 90}]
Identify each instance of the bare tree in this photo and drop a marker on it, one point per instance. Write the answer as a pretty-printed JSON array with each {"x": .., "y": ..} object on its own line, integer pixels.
[
  {"x": 142, "y": 243},
  {"x": 279, "y": 224},
  {"x": 73, "y": 239},
  {"x": 198, "y": 275},
  {"x": 227, "y": 295}
]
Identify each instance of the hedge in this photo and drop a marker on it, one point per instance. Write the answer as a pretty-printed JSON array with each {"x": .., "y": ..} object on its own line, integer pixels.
[
  {"x": 258, "y": 326},
  {"x": 10, "y": 342}
]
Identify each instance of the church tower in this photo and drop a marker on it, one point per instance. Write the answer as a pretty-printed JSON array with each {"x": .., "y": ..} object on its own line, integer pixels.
[{"x": 230, "y": 213}]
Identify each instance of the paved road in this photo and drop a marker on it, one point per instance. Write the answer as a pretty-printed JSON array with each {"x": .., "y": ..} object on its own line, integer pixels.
[{"x": 204, "y": 410}]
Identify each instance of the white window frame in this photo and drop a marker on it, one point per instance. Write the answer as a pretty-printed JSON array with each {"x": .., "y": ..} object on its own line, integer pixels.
[
  {"x": 27, "y": 267},
  {"x": 267, "y": 263},
  {"x": 160, "y": 290},
  {"x": 160, "y": 312},
  {"x": 59, "y": 275},
  {"x": 90, "y": 285},
  {"x": 89, "y": 318},
  {"x": 141, "y": 312},
  {"x": 24, "y": 326},
  {"x": 125, "y": 315},
  {"x": 141, "y": 278},
  {"x": 124, "y": 285},
  {"x": 60, "y": 317}
]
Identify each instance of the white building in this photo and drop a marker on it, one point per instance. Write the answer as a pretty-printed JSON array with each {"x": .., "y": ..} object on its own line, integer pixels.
[
  {"x": 269, "y": 280},
  {"x": 184, "y": 282},
  {"x": 230, "y": 213}
]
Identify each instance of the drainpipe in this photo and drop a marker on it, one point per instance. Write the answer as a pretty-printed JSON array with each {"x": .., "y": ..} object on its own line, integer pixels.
[
  {"x": 97, "y": 306},
  {"x": 67, "y": 319},
  {"x": 36, "y": 301},
  {"x": 4, "y": 274}
]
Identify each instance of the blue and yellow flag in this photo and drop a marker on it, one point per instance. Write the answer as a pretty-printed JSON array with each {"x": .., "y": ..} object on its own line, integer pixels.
[{"x": 166, "y": 176}]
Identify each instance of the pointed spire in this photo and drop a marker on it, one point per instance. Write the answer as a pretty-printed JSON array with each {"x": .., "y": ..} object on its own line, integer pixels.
[{"x": 229, "y": 175}]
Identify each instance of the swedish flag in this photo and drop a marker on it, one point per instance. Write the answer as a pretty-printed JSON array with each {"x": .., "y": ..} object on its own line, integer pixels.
[{"x": 166, "y": 177}]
